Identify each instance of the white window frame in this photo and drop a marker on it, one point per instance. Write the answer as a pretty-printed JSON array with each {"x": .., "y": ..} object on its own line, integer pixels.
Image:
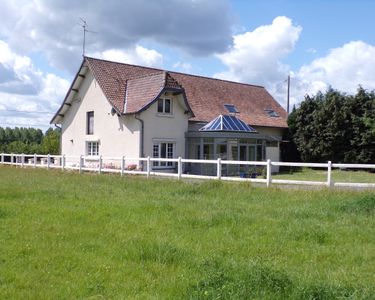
[
  {"x": 92, "y": 148},
  {"x": 169, "y": 152},
  {"x": 163, "y": 112},
  {"x": 90, "y": 122}
]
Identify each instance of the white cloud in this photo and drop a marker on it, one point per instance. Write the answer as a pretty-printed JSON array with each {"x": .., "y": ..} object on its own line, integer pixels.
[
  {"x": 256, "y": 55},
  {"x": 183, "y": 67},
  {"x": 311, "y": 50},
  {"x": 199, "y": 27},
  {"x": 17, "y": 72},
  {"x": 256, "y": 58},
  {"x": 27, "y": 95},
  {"x": 343, "y": 68},
  {"x": 135, "y": 55}
]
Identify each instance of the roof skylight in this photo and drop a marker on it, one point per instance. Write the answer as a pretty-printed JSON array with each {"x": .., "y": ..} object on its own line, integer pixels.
[
  {"x": 272, "y": 113},
  {"x": 231, "y": 108}
]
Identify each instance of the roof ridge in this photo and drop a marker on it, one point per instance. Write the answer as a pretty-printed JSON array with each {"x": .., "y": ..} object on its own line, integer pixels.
[
  {"x": 219, "y": 79},
  {"x": 121, "y": 63},
  {"x": 176, "y": 72},
  {"x": 145, "y": 75}
]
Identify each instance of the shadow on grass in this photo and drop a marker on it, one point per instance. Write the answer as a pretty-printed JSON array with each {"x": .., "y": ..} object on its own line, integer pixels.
[
  {"x": 257, "y": 281},
  {"x": 360, "y": 205},
  {"x": 159, "y": 252}
]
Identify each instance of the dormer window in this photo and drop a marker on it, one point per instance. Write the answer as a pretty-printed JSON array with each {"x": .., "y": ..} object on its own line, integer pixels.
[
  {"x": 271, "y": 113},
  {"x": 231, "y": 108},
  {"x": 164, "y": 106}
]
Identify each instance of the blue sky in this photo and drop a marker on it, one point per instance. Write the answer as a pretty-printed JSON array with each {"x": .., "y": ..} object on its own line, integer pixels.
[
  {"x": 319, "y": 43},
  {"x": 326, "y": 23}
]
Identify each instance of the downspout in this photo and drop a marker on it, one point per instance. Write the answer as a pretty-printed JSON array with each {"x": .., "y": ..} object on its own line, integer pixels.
[{"x": 141, "y": 142}]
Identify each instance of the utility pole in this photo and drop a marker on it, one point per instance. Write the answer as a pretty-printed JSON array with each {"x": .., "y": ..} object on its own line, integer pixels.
[{"x": 288, "y": 93}]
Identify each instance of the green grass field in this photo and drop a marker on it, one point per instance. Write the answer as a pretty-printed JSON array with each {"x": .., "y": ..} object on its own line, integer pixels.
[
  {"x": 71, "y": 236},
  {"x": 321, "y": 175}
]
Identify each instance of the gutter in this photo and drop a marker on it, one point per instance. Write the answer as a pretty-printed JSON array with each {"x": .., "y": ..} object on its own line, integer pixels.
[{"x": 141, "y": 142}]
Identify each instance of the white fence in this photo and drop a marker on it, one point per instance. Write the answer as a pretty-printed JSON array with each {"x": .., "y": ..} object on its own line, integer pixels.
[{"x": 174, "y": 167}]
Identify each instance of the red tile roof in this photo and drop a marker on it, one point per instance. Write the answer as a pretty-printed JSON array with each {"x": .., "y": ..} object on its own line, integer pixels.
[
  {"x": 141, "y": 91},
  {"x": 206, "y": 96}
]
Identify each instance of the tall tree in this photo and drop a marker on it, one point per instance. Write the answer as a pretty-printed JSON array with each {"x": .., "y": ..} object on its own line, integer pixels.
[
  {"x": 335, "y": 126},
  {"x": 51, "y": 141}
]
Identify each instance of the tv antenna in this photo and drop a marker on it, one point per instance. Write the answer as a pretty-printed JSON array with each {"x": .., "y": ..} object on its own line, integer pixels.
[{"x": 84, "y": 25}]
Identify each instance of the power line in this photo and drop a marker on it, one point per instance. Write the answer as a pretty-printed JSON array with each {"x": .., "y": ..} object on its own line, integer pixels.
[{"x": 25, "y": 125}]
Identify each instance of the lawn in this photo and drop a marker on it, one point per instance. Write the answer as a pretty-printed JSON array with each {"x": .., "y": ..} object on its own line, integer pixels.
[
  {"x": 89, "y": 236},
  {"x": 321, "y": 175}
]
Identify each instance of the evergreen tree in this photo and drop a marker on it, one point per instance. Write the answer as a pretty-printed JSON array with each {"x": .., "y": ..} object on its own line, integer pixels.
[{"x": 335, "y": 126}]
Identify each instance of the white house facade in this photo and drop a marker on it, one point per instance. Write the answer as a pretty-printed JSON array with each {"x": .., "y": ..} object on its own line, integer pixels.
[{"x": 115, "y": 109}]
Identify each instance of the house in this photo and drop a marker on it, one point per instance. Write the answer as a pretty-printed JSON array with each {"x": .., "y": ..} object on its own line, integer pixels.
[{"x": 114, "y": 109}]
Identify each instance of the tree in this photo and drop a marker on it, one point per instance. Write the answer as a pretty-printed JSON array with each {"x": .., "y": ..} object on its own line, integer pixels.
[
  {"x": 29, "y": 140},
  {"x": 335, "y": 126},
  {"x": 51, "y": 141},
  {"x": 362, "y": 142},
  {"x": 17, "y": 147}
]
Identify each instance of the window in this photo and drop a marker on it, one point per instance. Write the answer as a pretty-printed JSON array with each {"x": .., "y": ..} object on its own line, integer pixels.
[
  {"x": 92, "y": 148},
  {"x": 90, "y": 122},
  {"x": 272, "y": 113},
  {"x": 165, "y": 106},
  {"x": 163, "y": 150},
  {"x": 231, "y": 108}
]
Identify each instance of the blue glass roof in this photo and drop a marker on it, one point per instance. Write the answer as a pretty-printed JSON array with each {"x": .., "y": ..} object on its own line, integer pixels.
[{"x": 227, "y": 123}]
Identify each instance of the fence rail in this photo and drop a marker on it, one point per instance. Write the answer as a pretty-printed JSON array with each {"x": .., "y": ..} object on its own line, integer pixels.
[{"x": 173, "y": 167}]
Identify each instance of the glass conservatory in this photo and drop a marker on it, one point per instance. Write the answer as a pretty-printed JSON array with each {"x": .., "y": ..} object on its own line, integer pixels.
[{"x": 228, "y": 138}]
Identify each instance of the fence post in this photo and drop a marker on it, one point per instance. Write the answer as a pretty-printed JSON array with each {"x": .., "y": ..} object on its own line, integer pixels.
[
  {"x": 329, "y": 174},
  {"x": 122, "y": 165},
  {"x": 34, "y": 160},
  {"x": 2, "y": 158},
  {"x": 80, "y": 163},
  {"x": 179, "y": 168},
  {"x": 63, "y": 162},
  {"x": 11, "y": 159},
  {"x": 268, "y": 172},
  {"x": 218, "y": 170},
  {"x": 22, "y": 160},
  {"x": 48, "y": 161},
  {"x": 100, "y": 164},
  {"x": 148, "y": 166}
]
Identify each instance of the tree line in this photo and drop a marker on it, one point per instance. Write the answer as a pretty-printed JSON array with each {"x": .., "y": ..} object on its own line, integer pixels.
[
  {"x": 29, "y": 140},
  {"x": 333, "y": 126}
]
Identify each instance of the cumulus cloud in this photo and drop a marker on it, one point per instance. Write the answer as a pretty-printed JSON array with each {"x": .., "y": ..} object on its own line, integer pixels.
[
  {"x": 197, "y": 26},
  {"x": 343, "y": 68},
  {"x": 27, "y": 95},
  {"x": 256, "y": 56},
  {"x": 16, "y": 72},
  {"x": 135, "y": 55}
]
